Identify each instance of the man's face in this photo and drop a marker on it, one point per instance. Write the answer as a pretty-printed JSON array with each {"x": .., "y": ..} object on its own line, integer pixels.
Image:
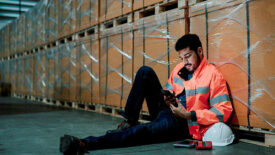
[{"x": 190, "y": 59}]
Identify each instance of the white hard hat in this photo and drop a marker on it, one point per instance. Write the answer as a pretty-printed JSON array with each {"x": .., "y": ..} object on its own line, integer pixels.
[{"x": 220, "y": 134}]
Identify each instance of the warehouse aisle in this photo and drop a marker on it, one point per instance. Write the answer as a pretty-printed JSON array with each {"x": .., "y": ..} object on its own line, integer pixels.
[{"x": 28, "y": 127}]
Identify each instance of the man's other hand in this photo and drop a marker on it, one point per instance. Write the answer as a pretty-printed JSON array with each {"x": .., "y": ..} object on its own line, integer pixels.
[{"x": 180, "y": 111}]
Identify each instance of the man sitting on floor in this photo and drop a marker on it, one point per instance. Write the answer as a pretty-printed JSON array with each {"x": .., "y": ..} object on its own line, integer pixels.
[{"x": 199, "y": 99}]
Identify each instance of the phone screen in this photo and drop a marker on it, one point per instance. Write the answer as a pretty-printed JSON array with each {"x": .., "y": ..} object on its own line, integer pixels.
[{"x": 185, "y": 143}]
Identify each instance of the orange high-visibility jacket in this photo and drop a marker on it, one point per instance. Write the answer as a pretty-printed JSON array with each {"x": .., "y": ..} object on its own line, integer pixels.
[{"x": 206, "y": 94}]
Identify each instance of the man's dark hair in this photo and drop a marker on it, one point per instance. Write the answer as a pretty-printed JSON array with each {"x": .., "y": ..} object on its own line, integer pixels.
[{"x": 189, "y": 40}]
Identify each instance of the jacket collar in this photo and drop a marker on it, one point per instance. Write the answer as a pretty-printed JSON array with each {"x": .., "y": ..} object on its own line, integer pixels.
[{"x": 201, "y": 66}]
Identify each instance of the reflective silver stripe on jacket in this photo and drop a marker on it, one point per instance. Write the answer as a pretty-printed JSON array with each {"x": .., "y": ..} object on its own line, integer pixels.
[
  {"x": 199, "y": 90},
  {"x": 218, "y": 113},
  {"x": 168, "y": 86},
  {"x": 178, "y": 81},
  {"x": 219, "y": 99}
]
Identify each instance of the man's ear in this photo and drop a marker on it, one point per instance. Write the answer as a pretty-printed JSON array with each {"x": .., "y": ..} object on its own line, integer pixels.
[{"x": 200, "y": 52}]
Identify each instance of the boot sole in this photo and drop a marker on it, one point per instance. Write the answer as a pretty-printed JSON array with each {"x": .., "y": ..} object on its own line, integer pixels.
[{"x": 65, "y": 143}]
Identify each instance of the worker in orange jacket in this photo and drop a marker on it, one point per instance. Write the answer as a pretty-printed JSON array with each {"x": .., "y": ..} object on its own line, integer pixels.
[
  {"x": 207, "y": 98},
  {"x": 199, "y": 99}
]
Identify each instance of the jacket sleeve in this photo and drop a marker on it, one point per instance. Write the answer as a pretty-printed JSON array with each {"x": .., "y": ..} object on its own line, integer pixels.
[
  {"x": 220, "y": 103},
  {"x": 169, "y": 84}
]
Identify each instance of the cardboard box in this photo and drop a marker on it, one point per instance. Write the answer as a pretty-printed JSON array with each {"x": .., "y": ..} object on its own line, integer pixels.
[
  {"x": 110, "y": 9},
  {"x": 51, "y": 60},
  {"x": 40, "y": 22},
  {"x": 40, "y": 77},
  {"x": 116, "y": 65},
  {"x": 65, "y": 73},
  {"x": 127, "y": 63},
  {"x": 28, "y": 75},
  {"x": 225, "y": 28},
  {"x": 89, "y": 69},
  {"x": 139, "y": 4},
  {"x": 66, "y": 17},
  {"x": 30, "y": 30},
  {"x": 154, "y": 40},
  {"x": 86, "y": 14},
  {"x": 261, "y": 63},
  {"x": 5, "y": 41},
  {"x": 52, "y": 21},
  {"x": 13, "y": 37},
  {"x": 20, "y": 77},
  {"x": 12, "y": 74}
]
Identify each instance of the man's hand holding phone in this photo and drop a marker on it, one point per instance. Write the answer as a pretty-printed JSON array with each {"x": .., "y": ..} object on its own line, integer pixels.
[
  {"x": 169, "y": 98},
  {"x": 175, "y": 105}
]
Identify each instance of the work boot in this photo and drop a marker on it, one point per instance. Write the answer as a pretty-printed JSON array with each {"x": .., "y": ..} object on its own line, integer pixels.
[
  {"x": 70, "y": 145},
  {"x": 123, "y": 126}
]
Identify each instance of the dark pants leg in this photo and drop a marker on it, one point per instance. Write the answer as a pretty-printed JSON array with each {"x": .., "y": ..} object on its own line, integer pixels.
[
  {"x": 146, "y": 86},
  {"x": 165, "y": 126}
]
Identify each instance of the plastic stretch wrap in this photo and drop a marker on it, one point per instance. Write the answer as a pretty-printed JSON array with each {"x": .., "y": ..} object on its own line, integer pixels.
[
  {"x": 2, "y": 46},
  {"x": 88, "y": 61},
  {"x": 17, "y": 35},
  {"x": 35, "y": 26},
  {"x": 39, "y": 19},
  {"x": 13, "y": 37},
  {"x": 20, "y": 77},
  {"x": 139, "y": 4},
  {"x": 51, "y": 63},
  {"x": 114, "y": 8},
  {"x": 2, "y": 43},
  {"x": 154, "y": 40},
  {"x": 116, "y": 65},
  {"x": 63, "y": 76},
  {"x": 40, "y": 71},
  {"x": 238, "y": 36},
  {"x": 5, "y": 41},
  {"x": 66, "y": 17},
  {"x": 30, "y": 29},
  {"x": 86, "y": 13},
  {"x": 28, "y": 74},
  {"x": 4, "y": 71},
  {"x": 51, "y": 20},
  {"x": 21, "y": 33},
  {"x": 68, "y": 72},
  {"x": 12, "y": 74}
]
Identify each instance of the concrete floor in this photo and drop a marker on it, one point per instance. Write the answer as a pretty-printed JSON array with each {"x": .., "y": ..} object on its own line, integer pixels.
[{"x": 28, "y": 128}]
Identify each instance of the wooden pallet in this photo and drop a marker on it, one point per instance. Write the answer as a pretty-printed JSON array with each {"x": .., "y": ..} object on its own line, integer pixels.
[
  {"x": 85, "y": 33},
  {"x": 99, "y": 108},
  {"x": 158, "y": 8},
  {"x": 115, "y": 22},
  {"x": 258, "y": 136}
]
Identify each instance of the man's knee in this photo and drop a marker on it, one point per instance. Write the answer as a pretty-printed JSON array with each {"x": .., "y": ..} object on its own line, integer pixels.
[{"x": 145, "y": 70}]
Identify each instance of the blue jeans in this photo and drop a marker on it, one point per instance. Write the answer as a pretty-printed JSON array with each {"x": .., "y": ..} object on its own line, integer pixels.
[{"x": 163, "y": 127}]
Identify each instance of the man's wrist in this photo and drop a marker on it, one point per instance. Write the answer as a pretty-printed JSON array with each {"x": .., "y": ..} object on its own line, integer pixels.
[
  {"x": 187, "y": 115},
  {"x": 193, "y": 116}
]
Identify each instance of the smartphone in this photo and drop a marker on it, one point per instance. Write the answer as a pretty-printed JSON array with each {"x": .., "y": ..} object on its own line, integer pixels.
[
  {"x": 185, "y": 143},
  {"x": 167, "y": 93}
]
